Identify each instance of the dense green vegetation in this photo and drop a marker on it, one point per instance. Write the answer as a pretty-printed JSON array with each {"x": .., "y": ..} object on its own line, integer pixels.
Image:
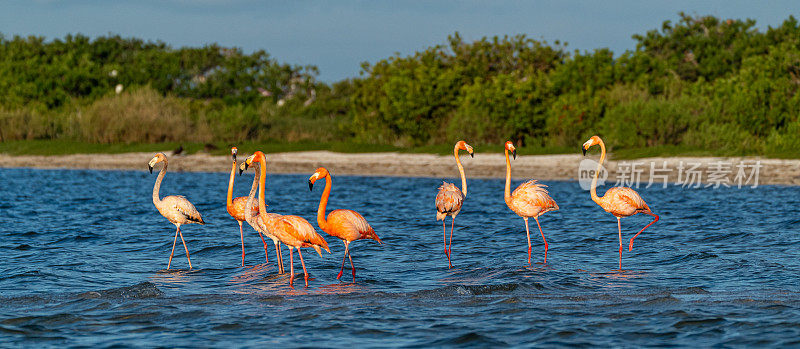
[{"x": 700, "y": 86}]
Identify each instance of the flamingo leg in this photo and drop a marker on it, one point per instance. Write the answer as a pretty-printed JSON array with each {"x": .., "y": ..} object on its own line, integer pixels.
[
  {"x": 185, "y": 248},
  {"x": 265, "y": 246},
  {"x": 444, "y": 237},
  {"x": 291, "y": 266},
  {"x": 529, "y": 239},
  {"x": 346, "y": 250},
  {"x": 352, "y": 266},
  {"x": 630, "y": 245},
  {"x": 280, "y": 257},
  {"x": 619, "y": 228},
  {"x": 304, "y": 265},
  {"x": 543, "y": 239},
  {"x": 173, "y": 248},
  {"x": 241, "y": 234},
  {"x": 449, "y": 246}
]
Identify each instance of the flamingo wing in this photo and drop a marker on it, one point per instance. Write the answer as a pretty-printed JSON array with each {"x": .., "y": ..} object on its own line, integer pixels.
[
  {"x": 448, "y": 201},
  {"x": 258, "y": 223},
  {"x": 531, "y": 199},
  {"x": 299, "y": 228},
  {"x": 185, "y": 208},
  {"x": 239, "y": 205},
  {"x": 625, "y": 201},
  {"x": 350, "y": 225}
]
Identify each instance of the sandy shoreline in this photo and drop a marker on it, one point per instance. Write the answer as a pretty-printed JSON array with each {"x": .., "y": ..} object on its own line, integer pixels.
[{"x": 542, "y": 167}]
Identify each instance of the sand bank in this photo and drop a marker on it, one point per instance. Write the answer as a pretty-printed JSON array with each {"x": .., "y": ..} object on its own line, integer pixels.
[{"x": 542, "y": 167}]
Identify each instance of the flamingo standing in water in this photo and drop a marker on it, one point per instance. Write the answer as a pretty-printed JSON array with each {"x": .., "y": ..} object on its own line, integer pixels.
[
  {"x": 530, "y": 199},
  {"x": 256, "y": 221},
  {"x": 293, "y": 231},
  {"x": 450, "y": 198},
  {"x": 175, "y": 208},
  {"x": 347, "y": 225},
  {"x": 236, "y": 207},
  {"x": 619, "y": 201}
]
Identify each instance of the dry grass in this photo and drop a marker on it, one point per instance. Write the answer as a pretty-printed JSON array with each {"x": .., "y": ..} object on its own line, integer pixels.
[{"x": 142, "y": 116}]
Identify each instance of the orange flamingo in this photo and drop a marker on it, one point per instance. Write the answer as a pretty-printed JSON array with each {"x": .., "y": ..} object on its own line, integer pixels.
[
  {"x": 347, "y": 225},
  {"x": 619, "y": 201},
  {"x": 293, "y": 231},
  {"x": 256, "y": 221},
  {"x": 530, "y": 199},
  {"x": 236, "y": 207},
  {"x": 450, "y": 198},
  {"x": 175, "y": 208}
]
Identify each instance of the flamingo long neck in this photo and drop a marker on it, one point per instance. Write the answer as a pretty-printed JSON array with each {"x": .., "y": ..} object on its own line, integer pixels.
[
  {"x": 507, "y": 194},
  {"x": 461, "y": 171},
  {"x": 596, "y": 198},
  {"x": 157, "y": 186},
  {"x": 323, "y": 202},
  {"x": 251, "y": 198},
  {"x": 229, "y": 200},
  {"x": 262, "y": 207}
]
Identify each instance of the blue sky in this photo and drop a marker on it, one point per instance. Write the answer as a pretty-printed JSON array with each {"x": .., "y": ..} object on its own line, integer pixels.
[{"x": 338, "y": 35}]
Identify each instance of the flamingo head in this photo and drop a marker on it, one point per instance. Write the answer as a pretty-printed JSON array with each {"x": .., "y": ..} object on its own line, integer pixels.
[
  {"x": 159, "y": 157},
  {"x": 258, "y": 156},
  {"x": 510, "y": 147},
  {"x": 319, "y": 173},
  {"x": 242, "y": 167},
  {"x": 461, "y": 145},
  {"x": 234, "y": 150},
  {"x": 588, "y": 144}
]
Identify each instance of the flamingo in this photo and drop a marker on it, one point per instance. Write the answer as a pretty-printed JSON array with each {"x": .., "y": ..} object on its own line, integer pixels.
[
  {"x": 530, "y": 199},
  {"x": 293, "y": 231},
  {"x": 619, "y": 201},
  {"x": 347, "y": 225},
  {"x": 236, "y": 207},
  {"x": 251, "y": 207},
  {"x": 175, "y": 208},
  {"x": 450, "y": 198}
]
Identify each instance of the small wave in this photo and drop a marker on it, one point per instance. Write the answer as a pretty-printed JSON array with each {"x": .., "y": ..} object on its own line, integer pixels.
[
  {"x": 141, "y": 290},
  {"x": 473, "y": 290},
  {"x": 691, "y": 290},
  {"x": 698, "y": 322},
  {"x": 471, "y": 338}
]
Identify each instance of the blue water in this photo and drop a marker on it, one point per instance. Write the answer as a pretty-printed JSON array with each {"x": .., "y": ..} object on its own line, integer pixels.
[{"x": 84, "y": 256}]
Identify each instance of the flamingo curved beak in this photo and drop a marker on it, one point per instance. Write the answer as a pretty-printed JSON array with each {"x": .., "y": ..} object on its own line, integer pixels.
[
  {"x": 150, "y": 168},
  {"x": 584, "y": 150},
  {"x": 234, "y": 157},
  {"x": 514, "y": 153},
  {"x": 310, "y": 185}
]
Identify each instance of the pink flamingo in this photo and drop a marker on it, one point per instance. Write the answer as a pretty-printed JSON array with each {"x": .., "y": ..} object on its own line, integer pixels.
[
  {"x": 175, "y": 208},
  {"x": 236, "y": 207},
  {"x": 257, "y": 221},
  {"x": 450, "y": 198},
  {"x": 293, "y": 231},
  {"x": 347, "y": 225},
  {"x": 530, "y": 199},
  {"x": 619, "y": 201}
]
